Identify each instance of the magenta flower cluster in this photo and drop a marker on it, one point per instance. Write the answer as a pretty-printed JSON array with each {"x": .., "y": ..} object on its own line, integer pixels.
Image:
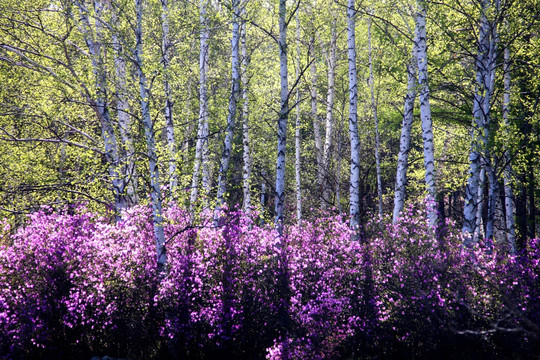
[{"x": 76, "y": 284}]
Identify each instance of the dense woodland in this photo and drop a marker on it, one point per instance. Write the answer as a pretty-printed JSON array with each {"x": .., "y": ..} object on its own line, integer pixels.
[{"x": 283, "y": 113}]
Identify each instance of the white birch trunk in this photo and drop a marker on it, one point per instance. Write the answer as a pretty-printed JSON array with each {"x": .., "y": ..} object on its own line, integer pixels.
[
  {"x": 93, "y": 41},
  {"x": 485, "y": 72},
  {"x": 282, "y": 122},
  {"x": 354, "y": 191},
  {"x": 155, "y": 190},
  {"x": 405, "y": 139},
  {"x": 246, "y": 170},
  {"x": 315, "y": 118},
  {"x": 508, "y": 192},
  {"x": 297, "y": 128},
  {"x": 425, "y": 113},
  {"x": 376, "y": 119},
  {"x": 201, "y": 147},
  {"x": 233, "y": 99},
  {"x": 330, "y": 95},
  {"x": 479, "y": 225},
  {"x": 129, "y": 170},
  {"x": 171, "y": 143}
]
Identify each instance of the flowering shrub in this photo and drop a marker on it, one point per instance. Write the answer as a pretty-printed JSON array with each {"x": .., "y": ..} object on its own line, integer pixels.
[{"x": 76, "y": 285}]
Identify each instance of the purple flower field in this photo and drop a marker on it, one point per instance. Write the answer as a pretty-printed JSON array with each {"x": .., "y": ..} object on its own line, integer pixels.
[{"x": 76, "y": 284}]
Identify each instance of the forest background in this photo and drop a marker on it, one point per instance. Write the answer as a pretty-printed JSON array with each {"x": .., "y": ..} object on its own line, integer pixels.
[{"x": 116, "y": 104}]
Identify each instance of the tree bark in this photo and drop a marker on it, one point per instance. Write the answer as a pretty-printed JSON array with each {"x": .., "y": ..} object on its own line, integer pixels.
[
  {"x": 479, "y": 154},
  {"x": 233, "y": 100},
  {"x": 315, "y": 118},
  {"x": 246, "y": 170},
  {"x": 354, "y": 193},
  {"x": 298, "y": 186},
  {"x": 93, "y": 39},
  {"x": 171, "y": 143},
  {"x": 425, "y": 113},
  {"x": 129, "y": 170},
  {"x": 405, "y": 139},
  {"x": 283, "y": 117},
  {"x": 376, "y": 120},
  {"x": 155, "y": 190},
  {"x": 330, "y": 95},
  {"x": 508, "y": 192},
  {"x": 201, "y": 147}
]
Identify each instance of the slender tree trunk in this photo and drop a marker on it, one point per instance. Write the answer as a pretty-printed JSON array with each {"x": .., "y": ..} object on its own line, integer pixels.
[
  {"x": 129, "y": 170},
  {"x": 246, "y": 170},
  {"x": 233, "y": 100},
  {"x": 508, "y": 192},
  {"x": 315, "y": 118},
  {"x": 297, "y": 128},
  {"x": 171, "y": 143},
  {"x": 155, "y": 190},
  {"x": 376, "y": 119},
  {"x": 331, "y": 60},
  {"x": 283, "y": 117},
  {"x": 479, "y": 232},
  {"x": 405, "y": 139},
  {"x": 93, "y": 41},
  {"x": 354, "y": 193},
  {"x": 425, "y": 113},
  {"x": 201, "y": 147},
  {"x": 492, "y": 202},
  {"x": 479, "y": 130}
]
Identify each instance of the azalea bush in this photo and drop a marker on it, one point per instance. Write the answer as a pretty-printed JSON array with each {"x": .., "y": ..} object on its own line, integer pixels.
[{"x": 77, "y": 284}]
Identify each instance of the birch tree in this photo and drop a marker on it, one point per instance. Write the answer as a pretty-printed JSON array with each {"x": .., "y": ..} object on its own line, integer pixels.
[
  {"x": 283, "y": 117},
  {"x": 246, "y": 154},
  {"x": 508, "y": 192},
  {"x": 233, "y": 99},
  {"x": 93, "y": 36},
  {"x": 425, "y": 112},
  {"x": 122, "y": 107},
  {"x": 201, "y": 148},
  {"x": 298, "y": 186},
  {"x": 315, "y": 115},
  {"x": 165, "y": 59},
  {"x": 376, "y": 120},
  {"x": 331, "y": 59},
  {"x": 354, "y": 193},
  {"x": 484, "y": 64},
  {"x": 148, "y": 125},
  {"x": 405, "y": 138}
]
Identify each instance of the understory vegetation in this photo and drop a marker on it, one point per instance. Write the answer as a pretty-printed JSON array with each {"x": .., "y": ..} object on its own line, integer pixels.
[{"x": 77, "y": 284}]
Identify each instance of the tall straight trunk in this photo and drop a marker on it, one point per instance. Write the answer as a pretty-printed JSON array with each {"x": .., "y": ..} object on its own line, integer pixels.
[
  {"x": 155, "y": 190},
  {"x": 376, "y": 120},
  {"x": 201, "y": 147},
  {"x": 354, "y": 193},
  {"x": 330, "y": 95},
  {"x": 315, "y": 117},
  {"x": 492, "y": 202},
  {"x": 479, "y": 226},
  {"x": 129, "y": 170},
  {"x": 283, "y": 117},
  {"x": 491, "y": 171},
  {"x": 481, "y": 107},
  {"x": 425, "y": 113},
  {"x": 405, "y": 139},
  {"x": 508, "y": 192},
  {"x": 298, "y": 186},
  {"x": 93, "y": 39},
  {"x": 231, "y": 117},
  {"x": 246, "y": 170},
  {"x": 171, "y": 143}
]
